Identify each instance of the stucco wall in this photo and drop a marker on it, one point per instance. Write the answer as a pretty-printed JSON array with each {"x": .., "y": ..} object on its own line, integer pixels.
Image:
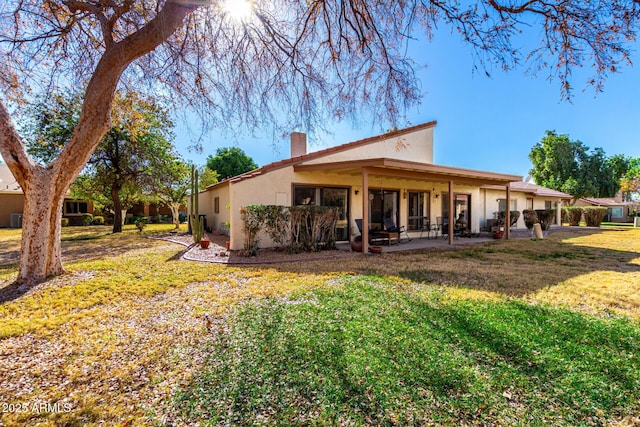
[
  {"x": 415, "y": 147},
  {"x": 490, "y": 202},
  {"x": 10, "y": 203},
  {"x": 276, "y": 187},
  {"x": 206, "y": 201}
]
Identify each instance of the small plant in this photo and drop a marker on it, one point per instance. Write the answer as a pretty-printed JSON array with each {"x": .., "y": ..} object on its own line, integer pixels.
[
  {"x": 87, "y": 219},
  {"x": 98, "y": 220},
  {"x": 64, "y": 222},
  {"x": 141, "y": 223}
]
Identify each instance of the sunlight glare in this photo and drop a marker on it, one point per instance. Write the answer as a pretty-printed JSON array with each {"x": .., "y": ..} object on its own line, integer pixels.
[{"x": 238, "y": 9}]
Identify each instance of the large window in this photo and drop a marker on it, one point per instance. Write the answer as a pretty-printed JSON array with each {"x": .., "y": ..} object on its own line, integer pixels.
[
  {"x": 382, "y": 204},
  {"x": 71, "y": 208},
  {"x": 304, "y": 195},
  {"x": 418, "y": 210}
]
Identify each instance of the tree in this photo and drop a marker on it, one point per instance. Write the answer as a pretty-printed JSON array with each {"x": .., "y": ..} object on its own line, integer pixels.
[
  {"x": 292, "y": 63},
  {"x": 230, "y": 161},
  {"x": 207, "y": 177},
  {"x": 133, "y": 155},
  {"x": 172, "y": 188},
  {"x": 569, "y": 166},
  {"x": 630, "y": 181}
]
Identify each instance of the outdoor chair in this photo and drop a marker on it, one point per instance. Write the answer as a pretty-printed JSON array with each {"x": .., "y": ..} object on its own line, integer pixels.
[
  {"x": 391, "y": 227},
  {"x": 373, "y": 234}
]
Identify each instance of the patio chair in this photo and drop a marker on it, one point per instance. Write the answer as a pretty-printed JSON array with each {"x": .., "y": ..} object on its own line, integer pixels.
[
  {"x": 391, "y": 227},
  {"x": 373, "y": 234}
]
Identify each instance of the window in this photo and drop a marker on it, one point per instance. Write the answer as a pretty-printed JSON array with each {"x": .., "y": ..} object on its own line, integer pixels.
[
  {"x": 502, "y": 205},
  {"x": 326, "y": 196},
  {"x": 530, "y": 204},
  {"x": 382, "y": 204},
  {"x": 418, "y": 209},
  {"x": 71, "y": 208},
  {"x": 216, "y": 205},
  {"x": 548, "y": 204},
  {"x": 616, "y": 212}
]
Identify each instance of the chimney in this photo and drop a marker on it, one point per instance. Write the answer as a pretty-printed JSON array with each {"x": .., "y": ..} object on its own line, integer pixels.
[{"x": 298, "y": 144}]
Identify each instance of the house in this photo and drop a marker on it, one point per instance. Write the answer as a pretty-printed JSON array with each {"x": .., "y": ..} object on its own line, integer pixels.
[
  {"x": 524, "y": 195},
  {"x": 12, "y": 202},
  {"x": 617, "y": 210},
  {"x": 386, "y": 176}
]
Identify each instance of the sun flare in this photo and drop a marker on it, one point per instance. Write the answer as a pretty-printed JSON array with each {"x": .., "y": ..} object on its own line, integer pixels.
[{"x": 238, "y": 9}]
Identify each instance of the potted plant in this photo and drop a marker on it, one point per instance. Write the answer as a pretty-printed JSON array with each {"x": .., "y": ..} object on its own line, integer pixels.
[
  {"x": 498, "y": 233},
  {"x": 204, "y": 242}
]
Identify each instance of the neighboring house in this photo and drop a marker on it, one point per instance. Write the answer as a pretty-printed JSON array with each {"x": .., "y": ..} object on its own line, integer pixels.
[
  {"x": 617, "y": 210},
  {"x": 12, "y": 202},
  {"x": 524, "y": 195},
  {"x": 386, "y": 176}
]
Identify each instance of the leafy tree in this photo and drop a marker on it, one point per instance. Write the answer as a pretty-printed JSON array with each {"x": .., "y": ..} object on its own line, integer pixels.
[
  {"x": 207, "y": 177},
  {"x": 131, "y": 158},
  {"x": 173, "y": 186},
  {"x": 569, "y": 166},
  {"x": 630, "y": 181},
  {"x": 288, "y": 63},
  {"x": 230, "y": 161}
]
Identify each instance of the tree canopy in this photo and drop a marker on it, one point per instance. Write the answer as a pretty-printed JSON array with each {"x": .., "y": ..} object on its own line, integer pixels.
[
  {"x": 569, "y": 166},
  {"x": 229, "y": 162},
  {"x": 294, "y": 64}
]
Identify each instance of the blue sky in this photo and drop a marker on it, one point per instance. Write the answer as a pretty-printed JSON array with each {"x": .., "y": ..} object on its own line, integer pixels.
[{"x": 484, "y": 123}]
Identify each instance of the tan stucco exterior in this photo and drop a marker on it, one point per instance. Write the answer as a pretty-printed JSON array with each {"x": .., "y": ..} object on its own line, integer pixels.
[
  {"x": 10, "y": 204},
  {"x": 400, "y": 161}
]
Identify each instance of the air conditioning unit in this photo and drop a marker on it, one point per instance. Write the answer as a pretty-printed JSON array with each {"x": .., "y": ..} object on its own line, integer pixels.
[{"x": 16, "y": 220}]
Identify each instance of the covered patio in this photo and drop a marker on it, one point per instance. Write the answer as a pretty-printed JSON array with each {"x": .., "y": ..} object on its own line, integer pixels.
[{"x": 404, "y": 172}]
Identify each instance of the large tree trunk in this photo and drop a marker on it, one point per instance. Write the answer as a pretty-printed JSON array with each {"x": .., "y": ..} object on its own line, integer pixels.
[
  {"x": 45, "y": 187},
  {"x": 117, "y": 210},
  {"x": 40, "y": 252}
]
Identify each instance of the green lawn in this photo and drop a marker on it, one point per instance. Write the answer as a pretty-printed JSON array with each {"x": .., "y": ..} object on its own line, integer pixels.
[{"x": 520, "y": 332}]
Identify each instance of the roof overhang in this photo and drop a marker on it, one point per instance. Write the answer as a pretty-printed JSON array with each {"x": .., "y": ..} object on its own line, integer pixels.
[{"x": 403, "y": 169}]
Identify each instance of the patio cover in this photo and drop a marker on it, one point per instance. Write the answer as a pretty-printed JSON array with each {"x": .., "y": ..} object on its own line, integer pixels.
[{"x": 385, "y": 167}]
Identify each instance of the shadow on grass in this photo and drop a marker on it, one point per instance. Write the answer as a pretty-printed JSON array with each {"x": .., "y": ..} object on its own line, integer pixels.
[
  {"x": 371, "y": 355},
  {"x": 516, "y": 267}
]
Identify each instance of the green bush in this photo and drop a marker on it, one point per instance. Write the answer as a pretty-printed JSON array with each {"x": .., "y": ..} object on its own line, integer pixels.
[
  {"x": 530, "y": 218},
  {"x": 65, "y": 222},
  {"x": 500, "y": 218},
  {"x": 98, "y": 220},
  {"x": 593, "y": 215},
  {"x": 545, "y": 218},
  {"x": 87, "y": 219},
  {"x": 141, "y": 223},
  {"x": 572, "y": 214}
]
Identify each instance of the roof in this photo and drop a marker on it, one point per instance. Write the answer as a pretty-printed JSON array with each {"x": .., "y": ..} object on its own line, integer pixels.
[
  {"x": 8, "y": 183},
  {"x": 380, "y": 166},
  {"x": 317, "y": 154},
  {"x": 533, "y": 189},
  {"x": 599, "y": 201}
]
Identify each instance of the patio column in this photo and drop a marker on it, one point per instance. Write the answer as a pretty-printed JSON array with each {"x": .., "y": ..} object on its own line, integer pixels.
[
  {"x": 559, "y": 213},
  {"x": 365, "y": 211},
  {"x": 452, "y": 214},
  {"x": 507, "y": 221}
]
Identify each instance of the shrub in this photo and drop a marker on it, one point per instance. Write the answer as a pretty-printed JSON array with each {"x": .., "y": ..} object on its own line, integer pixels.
[
  {"x": 545, "y": 218},
  {"x": 500, "y": 218},
  {"x": 182, "y": 217},
  {"x": 572, "y": 214},
  {"x": 530, "y": 218},
  {"x": 98, "y": 220},
  {"x": 64, "y": 222},
  {"x": 141, "y": 223},
  {"x": 593, "y": 215},
  {"x": 87, "y": 219},
  {"x": 297, "y": 228}
]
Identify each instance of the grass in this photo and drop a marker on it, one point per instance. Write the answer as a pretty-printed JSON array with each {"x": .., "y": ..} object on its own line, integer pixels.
[
  {"x": 520, "y": 332},
  {"x": 369, "y": 353}
]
